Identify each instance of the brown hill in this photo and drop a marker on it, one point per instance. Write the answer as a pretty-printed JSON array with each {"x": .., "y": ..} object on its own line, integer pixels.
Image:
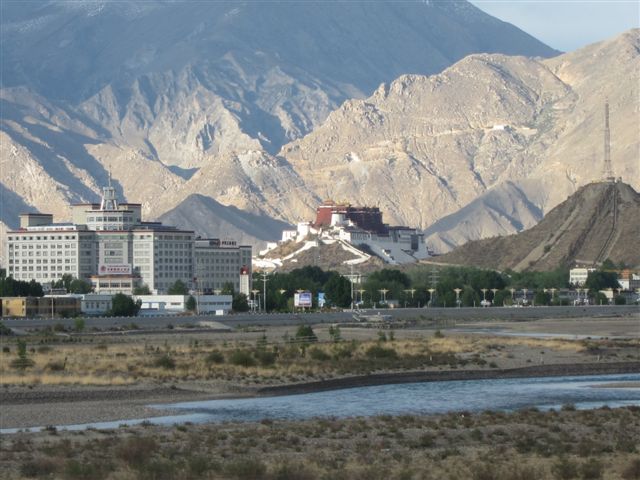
[{"x": 599, "y": 221}]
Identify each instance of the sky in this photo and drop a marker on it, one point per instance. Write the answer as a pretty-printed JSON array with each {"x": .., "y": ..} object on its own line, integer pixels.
[{"x": 563, "y": 24}]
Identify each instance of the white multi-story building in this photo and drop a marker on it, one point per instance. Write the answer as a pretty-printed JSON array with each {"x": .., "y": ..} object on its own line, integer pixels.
[
  {"x": 109, "y": 245},
  {"x": 578, "y": 276}
]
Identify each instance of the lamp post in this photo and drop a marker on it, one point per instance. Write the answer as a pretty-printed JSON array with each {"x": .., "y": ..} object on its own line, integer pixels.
[
  {"x": 513, "y": 292},
  {"x": 494, "y": 291},
  {"x": 431, "y": 291},
  {"x": 255, "y": 292},
  {"x": 484, "y": 296},
  {"x": 457, "y": 290},
  {"x": 383, "y": 295},
  {"x": 361, "y": 292},
  {"x": 524, "y": 296},
  {"x": 411, "y": 291}
]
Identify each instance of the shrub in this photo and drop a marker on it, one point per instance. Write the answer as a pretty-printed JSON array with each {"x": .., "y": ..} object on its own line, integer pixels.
[
  {"x": 136, "y": 451},
  {"x": 79, "y": 324},
  {"x": 438, "y": 334},
  {"x": 76, "y": 469},
  {"x": 38, "y": 467},
  {"x": 592, "y": 469},
  {"x": 564, "y": 469},
  {"x": 306, "y": 334},
  {"x": 198, "y": 465},
  {"x": 632, "y": 472},
  {"x": 165, "y": 361},
  {"x": 22, "y": 361},
  {"x": 214, "y": 356},
  {"x": 245, "y": 468},
  {"x": 56, "y": 366},
  {"x": 378, "y": 351},
  {"x": 266, "y": 358},
  {"x": 319, "y": 355},
  {"x": 242, "y": 358}
]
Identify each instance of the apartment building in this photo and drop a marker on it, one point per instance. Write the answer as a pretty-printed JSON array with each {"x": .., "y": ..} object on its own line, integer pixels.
[{"x": 109, "y": 245}]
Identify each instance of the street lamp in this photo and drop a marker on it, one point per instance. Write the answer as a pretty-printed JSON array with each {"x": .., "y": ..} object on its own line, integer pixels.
[
  {"x": 494, "y": 291},
  {"x": 383, "y": 295},
  {"x": 513, "y": 292},
  {"x": 524, "y": 297},
  {"x": 255, "y": 292},
  {"x": 484, "y": 296},
  {"x": 361, "y": 292},
  {"x": 431, "y": 292},
  {"x": 457, "y": 290},
  {"x": 411, "y": 291}
]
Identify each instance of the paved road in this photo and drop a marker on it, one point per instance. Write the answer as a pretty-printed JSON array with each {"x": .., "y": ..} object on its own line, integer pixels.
[{"x": 278, "y": 319}]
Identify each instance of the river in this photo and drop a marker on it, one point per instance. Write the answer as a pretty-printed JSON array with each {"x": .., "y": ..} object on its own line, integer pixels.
[{"x": 591, "y": 391}]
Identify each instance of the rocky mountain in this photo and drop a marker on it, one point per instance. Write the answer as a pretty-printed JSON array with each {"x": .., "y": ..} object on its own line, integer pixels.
[
  {"x": 505, "y": 138},
  {"x": 271, "y": 107},
  {"x": 597, "y": 222},
  {"x": 211, "y": 219},
  {"x": 200, "y": 98}
]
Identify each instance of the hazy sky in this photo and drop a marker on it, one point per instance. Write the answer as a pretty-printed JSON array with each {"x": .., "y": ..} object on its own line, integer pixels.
[{"x": 563, "y": 24}]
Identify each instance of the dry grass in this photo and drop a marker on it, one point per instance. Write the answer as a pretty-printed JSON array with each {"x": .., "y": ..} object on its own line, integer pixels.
[{"x": 118, "y": 361}]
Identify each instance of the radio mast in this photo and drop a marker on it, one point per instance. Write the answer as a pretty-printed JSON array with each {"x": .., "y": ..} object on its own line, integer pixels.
[{"x": 608, "y": 170}]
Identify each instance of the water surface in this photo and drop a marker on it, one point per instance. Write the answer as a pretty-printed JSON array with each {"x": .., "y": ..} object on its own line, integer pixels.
[{"x": 401, "y": 399}]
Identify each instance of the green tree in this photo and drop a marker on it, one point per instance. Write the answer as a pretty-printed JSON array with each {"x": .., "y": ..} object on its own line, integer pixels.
[
  {"x": 541, "y": 298},
  {"x": 9, "y": 287},
  {"x": 22, "y": 361},
  {"x": 469, "y": 297},
  {"x": 191, "y": 304},
  {"x": 123, "y": 306},
  {"x": 338, "y": 290},
  {"x": 79, "y": 286},
  {"x": 306, "y": 334},
  {"x": 227, "y": 289},
  {"x": 63, "y": 282},
  {"x": 620, "y": 300},
  {"x": 142, "y": 290},
  {"x": 240, "y": 303},
  {"x": 178, "y": 288},
  {"x": 599, "y": 280}
]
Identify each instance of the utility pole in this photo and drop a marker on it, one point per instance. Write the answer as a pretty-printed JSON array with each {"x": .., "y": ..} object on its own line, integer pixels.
[
  {"x": 264, "y": 289},
  {"x": 352, "y": 280}
]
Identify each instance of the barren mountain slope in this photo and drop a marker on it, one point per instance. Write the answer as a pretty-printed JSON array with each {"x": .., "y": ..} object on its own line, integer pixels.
[
  {"x": 423, "y": 147},
  {"x": 211, "y": 219},
  {"x": 156, "y": 91},
  {"x": 599, "y": 221}
]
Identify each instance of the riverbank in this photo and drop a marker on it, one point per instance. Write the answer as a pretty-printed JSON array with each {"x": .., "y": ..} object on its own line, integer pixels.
[
  {"x": 24, "y": 407},
  {"x": 526, "y": 445}
]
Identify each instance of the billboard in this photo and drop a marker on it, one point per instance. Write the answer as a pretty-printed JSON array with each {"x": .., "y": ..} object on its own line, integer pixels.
[
  {"x": 115, "y": 269},
  {"x": 302, "y": 299},
  {"x": 321, "y": 299}
]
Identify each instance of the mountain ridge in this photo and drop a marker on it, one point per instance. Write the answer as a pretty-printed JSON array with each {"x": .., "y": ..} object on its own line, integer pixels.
[{"x": 597, "y": 222}]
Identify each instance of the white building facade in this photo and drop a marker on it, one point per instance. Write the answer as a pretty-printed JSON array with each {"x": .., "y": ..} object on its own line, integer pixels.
[{"x": 110, "y": 246}]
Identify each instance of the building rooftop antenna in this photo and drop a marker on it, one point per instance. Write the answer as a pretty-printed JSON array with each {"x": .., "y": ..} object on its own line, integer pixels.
[{"x": 608, "y": 170}]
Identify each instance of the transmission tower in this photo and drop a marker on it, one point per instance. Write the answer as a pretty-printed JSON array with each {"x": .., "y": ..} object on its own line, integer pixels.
[{"x": 608, "y": 170}]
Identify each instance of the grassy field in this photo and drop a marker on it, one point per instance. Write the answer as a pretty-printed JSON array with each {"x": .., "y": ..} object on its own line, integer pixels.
[
  {"x": 277, "y": 356},
  {"x": 525, "y": 445}
]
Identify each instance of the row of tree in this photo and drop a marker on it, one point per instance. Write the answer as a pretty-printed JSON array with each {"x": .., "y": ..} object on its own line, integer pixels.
[{"x": 411, "y": 287}]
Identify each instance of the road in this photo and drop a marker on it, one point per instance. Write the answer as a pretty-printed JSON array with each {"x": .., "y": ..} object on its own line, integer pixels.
[{"x": 281, "y": 319}]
